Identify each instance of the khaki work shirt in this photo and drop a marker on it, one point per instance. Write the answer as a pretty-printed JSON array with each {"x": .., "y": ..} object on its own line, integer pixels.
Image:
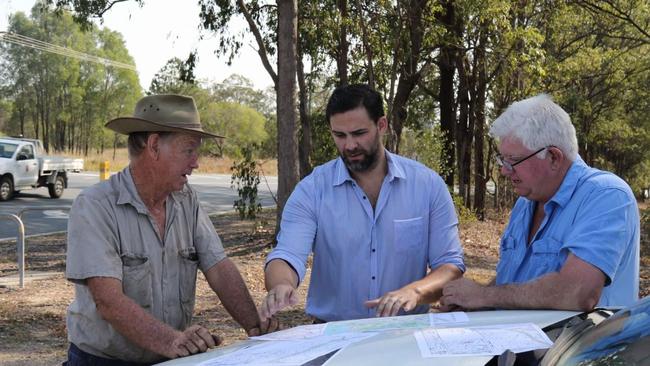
[{"x": 112, "y": 234}]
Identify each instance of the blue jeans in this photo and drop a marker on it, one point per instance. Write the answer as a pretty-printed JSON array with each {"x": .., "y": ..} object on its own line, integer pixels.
[{"x": 77, "y": 357}]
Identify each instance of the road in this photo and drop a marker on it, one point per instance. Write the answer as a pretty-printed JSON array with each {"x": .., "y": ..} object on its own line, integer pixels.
[{"x": 214, "y": 192}]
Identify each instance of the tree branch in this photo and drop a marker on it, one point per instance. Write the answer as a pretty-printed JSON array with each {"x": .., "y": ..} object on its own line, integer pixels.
[{"x": 260, "y": 42}]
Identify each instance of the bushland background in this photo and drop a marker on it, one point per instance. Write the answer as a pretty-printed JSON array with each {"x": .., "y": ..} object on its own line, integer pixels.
[{"x": 445, "y": 69}]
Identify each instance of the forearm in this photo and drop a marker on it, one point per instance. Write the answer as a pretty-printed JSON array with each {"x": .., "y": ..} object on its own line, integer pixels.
[
  {"x": 547, "y": 292},
  {"x": 128, "y": 318},
  {"x": 226, "y": 281},
  {"x": 278, "y": 272},
  {"x": 429, "y": 289}
]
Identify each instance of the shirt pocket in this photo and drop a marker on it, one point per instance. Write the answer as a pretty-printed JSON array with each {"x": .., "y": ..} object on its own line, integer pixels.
[
  {"x": 546, "y": 256},
  {"x": 506, "y": 255},
  {"x": 409, "y": 234},
  {"x": 136, "y": 278},
  {"x": 189, "y": 263}
]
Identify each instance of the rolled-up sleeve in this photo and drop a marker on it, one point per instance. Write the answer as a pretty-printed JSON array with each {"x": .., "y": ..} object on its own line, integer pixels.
[
  {"x": 297, "y": 228},
  {"x": 444, "y": 243}
]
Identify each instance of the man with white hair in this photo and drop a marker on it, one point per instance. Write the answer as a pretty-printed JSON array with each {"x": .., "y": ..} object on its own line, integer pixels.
[{"x": 572, "y": 241}]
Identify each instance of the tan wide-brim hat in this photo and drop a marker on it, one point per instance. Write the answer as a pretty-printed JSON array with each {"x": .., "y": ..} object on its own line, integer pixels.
[{"x": 162, "y": 113}]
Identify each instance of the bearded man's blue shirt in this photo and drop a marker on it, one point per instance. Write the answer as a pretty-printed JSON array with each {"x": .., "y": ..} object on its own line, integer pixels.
[{"x": 361, "y": 253}]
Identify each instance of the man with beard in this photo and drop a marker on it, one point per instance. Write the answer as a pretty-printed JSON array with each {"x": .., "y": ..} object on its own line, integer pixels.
[
  {"x": 572, "y": 242},
  {"x": 382, "y": 228}
]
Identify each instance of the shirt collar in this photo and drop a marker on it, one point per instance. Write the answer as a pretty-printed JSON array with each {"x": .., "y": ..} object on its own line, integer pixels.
[
  {"x": 395, "y": 169},
  {"x": 128, "y": 193},
  {"x": 569, "y": 183}
]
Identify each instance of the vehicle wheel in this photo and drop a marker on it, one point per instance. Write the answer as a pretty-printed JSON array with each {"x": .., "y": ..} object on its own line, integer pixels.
[
  {"x": 56, "y": 189},
  {"x": 6, "y": 189}
]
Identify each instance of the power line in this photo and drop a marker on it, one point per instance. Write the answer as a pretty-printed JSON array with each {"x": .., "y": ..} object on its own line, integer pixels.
[{"x": 52, "y": 48}]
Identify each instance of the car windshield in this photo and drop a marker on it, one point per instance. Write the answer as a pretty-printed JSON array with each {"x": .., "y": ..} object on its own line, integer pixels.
[
  {"x": 7, "y": 150},
  {"x": 623, "y": 339}
]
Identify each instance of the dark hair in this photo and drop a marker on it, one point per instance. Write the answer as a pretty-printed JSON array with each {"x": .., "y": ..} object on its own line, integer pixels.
[
  {"x": 348, "y": 97},
  {"x": 138, "y": 140}
]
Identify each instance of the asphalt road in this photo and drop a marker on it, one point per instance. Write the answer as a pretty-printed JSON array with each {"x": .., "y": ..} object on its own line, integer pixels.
[{"x": 46, "y": 215}]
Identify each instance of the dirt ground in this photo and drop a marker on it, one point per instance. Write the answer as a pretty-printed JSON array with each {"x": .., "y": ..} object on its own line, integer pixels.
[{"x": 32, "y": 320}]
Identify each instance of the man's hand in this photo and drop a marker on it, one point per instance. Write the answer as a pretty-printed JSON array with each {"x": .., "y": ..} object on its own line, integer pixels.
[
  {"x": 194, "y": 339},
  {"x": 391, "y": 303},
  {"x": 278, "y": 298},
  {"x": 269, "y": 325},
  {"x": 463, "y": 293}
]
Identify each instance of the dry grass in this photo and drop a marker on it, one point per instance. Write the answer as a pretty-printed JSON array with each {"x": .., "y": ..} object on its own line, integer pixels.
[{"x": 118, "y": 159}]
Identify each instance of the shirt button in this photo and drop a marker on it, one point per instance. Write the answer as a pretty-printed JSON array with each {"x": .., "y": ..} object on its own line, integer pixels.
[
  {"x": 373, "y": 277},
  {"x": 364, "y": 197},
  {"x": 374, "y": 250}
]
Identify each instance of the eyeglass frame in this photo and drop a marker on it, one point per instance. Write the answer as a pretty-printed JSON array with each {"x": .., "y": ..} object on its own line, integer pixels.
[{"x": 511, "y": 167}]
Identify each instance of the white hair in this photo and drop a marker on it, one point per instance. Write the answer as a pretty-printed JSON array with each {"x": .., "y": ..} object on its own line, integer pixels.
[{"x": 537, "y": 122}]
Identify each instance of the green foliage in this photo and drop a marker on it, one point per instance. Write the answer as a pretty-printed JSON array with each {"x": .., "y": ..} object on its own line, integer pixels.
[
  {"x": 465, "y": 215},
  {"x": 323, "y": 147},
  {"x": 424, "y": 146},
  {"x": 602, "y": 81},
  {"x": 241, "y": 125},
  {"x": 62, "y": 100},
  {"x": 269, "y": 147},
  {"x": 86, "y": 10},
  {"x": 590, "y": 56},
  {"x": 238, "y": 89},
  {"x": 5, "y": 113},
  {"x": 245, "y": 178},
  {"x": 168, "y": 80}
]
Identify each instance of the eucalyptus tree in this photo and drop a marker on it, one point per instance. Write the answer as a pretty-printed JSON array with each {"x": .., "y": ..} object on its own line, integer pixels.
[
  {"x": 239, "y": 89},
  {"x": 274, "y": 27},
  {"x": 58, "y": 98},
  {"x": 601, "y": 77},
  {"x": 242, "y": 125},
  {"x": 168, "y": 79}
]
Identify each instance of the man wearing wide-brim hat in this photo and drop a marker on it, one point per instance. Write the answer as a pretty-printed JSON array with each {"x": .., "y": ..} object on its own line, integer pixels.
[{"x": 135, "y": 242}]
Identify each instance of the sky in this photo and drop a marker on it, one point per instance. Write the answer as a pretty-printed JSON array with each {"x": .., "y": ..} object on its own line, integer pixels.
[{"x": 163, "y": 29}]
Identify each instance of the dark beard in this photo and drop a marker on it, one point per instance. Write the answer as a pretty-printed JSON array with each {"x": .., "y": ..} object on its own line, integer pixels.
[{"x": 369, "y": 160}]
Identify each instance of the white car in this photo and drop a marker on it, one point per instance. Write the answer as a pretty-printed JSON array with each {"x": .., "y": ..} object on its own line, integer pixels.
[{"x": 23, "y": 165}]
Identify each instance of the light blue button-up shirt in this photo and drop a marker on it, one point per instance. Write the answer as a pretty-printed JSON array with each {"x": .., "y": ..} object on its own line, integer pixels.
[
  {"x": 594, "y": 216},
  {"x": 361, "y": 253}
]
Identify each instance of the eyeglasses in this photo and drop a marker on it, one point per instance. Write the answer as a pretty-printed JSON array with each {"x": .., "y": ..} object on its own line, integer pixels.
[{"x": 510, "y": 167}]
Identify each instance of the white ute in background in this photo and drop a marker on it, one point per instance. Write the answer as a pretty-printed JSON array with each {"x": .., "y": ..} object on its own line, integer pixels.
[{"x": 24, "y": 165}]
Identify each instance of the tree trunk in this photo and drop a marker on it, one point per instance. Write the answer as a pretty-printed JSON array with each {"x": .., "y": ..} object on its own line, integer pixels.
[
  {"x": 370, "y": 69},
  {"x": 410, "y": 72},
  {"x": 480, "y": 174},
  {"x": 446, "y": 65},
  {"x": 288, "y": 172},
  {"x": 344, "y": 45},
  {"x": 304, "y": 148},
  {"x": 464, "y": 130}
]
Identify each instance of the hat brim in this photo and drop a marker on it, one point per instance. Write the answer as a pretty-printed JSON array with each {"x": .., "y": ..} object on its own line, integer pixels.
[{"x": 128, "y": 125}]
